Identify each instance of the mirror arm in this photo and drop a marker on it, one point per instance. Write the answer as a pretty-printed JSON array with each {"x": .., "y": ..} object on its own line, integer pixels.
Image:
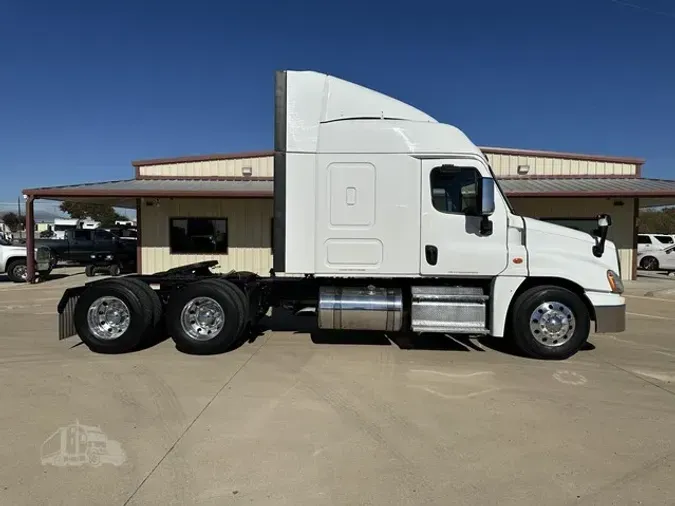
[
  {"x": 599, "y": 247},
  {"x": 486, "y": 226}
]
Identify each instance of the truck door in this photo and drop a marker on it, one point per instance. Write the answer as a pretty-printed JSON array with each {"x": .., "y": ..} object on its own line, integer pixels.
[
  {"x": 80, "y": 245},
  {"x": 452, "y": 243}
]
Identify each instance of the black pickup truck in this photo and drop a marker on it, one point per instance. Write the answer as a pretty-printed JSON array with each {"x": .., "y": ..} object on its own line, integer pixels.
[{"x": 80, "y": 244}]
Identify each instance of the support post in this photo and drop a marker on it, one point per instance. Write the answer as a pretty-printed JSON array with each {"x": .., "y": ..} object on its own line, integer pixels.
[
  {"x": 30, "y": 241},
  {"x": 139, "y": 237},
  {"x": 636, "y": 216}
]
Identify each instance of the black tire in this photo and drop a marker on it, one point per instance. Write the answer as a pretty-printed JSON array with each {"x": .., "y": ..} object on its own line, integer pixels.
[
  {"x": 114, "y": 270},
  {"x": 140, "y": 317},
  {"x": 649, "y": 263},
  {"x": 15, "y": 270},
  {"x": 235, "y": 291},
  {"x": 234, "y": 317},
  {"x": 149, "y": 298},
  {"x": 44, "y": 274},
  {"x": 526, "y": 335},
  {"x": 90, "y": 271}
]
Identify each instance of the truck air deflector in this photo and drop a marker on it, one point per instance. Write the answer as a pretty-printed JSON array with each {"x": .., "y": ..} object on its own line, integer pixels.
[{"x": 279, "y": 223}]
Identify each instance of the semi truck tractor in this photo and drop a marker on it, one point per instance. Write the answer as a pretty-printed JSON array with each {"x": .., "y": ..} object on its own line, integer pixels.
[{"x": 384, "y": 220}]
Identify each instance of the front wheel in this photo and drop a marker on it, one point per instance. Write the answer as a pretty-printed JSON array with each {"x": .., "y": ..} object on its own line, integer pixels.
[
  {"x": 17, "y": 271},
  {"x": 550, "y": 322}
]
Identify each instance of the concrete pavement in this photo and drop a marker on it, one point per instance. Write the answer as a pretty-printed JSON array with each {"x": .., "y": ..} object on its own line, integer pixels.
[{"x": 295, "y": 418}]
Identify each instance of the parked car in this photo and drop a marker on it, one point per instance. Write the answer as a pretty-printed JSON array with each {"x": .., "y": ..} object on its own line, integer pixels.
[
  {"x": 654, "y": 242},
  {"x": 79, "y": 245},
  {"x": 13, "y": 261},
  {"x": 658, "y": 260}
]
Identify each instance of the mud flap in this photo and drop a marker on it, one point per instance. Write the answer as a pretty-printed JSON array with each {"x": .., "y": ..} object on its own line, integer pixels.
[{"x": 66, "y": 309}]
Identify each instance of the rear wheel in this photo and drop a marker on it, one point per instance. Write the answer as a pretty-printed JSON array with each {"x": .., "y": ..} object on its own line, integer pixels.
[
  {"x": 206, "y": 317},
  {"x": 114, "y": 270},
  {"x": 43, "y": 275},
  {"x": 112, "y": 318},
  {"x": 649, "y": 264},
  {"x": 550, "y": 322},
  {"x": 89, "y": 271},
  {"x": 148, "y": 298}
]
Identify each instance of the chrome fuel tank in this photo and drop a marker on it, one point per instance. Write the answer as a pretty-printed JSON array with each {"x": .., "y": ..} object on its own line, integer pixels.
[{"x": 360, "y": 308}]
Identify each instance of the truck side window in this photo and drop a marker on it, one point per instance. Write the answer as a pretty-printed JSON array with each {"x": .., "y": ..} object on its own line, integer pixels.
[
  {"x": 453, "y": 189},
  {"x": 81, "y": 235},
  {"x": 102, "y": 235}
]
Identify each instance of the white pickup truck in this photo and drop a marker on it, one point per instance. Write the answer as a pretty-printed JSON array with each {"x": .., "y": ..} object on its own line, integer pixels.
[{"x": 13, "y": 261}]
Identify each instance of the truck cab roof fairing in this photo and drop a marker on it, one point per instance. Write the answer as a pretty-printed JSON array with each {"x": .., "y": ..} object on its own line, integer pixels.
[{"x": 312, "y": 98}]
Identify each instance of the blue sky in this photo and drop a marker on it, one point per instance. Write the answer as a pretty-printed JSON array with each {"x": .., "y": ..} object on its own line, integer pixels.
[{"x": 86, "y": 86}]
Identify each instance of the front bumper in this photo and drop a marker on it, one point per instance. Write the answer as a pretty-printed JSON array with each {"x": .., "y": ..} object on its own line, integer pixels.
[{"x": 610, "y": 311}]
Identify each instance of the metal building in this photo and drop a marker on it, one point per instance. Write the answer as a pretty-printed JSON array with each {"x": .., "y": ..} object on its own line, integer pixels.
[{"x": 177, "y": 198}]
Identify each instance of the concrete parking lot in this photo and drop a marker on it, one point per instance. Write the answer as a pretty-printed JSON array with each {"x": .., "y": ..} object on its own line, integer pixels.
[{"x": 296, "y": 418}]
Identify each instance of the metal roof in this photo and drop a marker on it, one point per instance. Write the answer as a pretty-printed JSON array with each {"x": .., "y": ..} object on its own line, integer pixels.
[
  {"x": 161, "y": 188},
  {"x": 588, "y": 187},
  {"x": 264, "y": 188}
]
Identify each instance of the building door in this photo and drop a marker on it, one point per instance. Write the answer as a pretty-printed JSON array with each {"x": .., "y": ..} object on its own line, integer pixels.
[{"x": 452, "y": 243}]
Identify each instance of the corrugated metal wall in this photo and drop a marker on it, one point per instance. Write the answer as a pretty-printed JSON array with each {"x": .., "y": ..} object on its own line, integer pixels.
[
  {"x": 621, "y": 232},
  {"x": 507, "y": 165},
  {"x": 249, "y": 233},
  {"x": 503, "y": 165},
  {"x": 260, "y": 167}
]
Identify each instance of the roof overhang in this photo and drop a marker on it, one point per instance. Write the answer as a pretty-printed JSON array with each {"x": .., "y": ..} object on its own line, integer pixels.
[
  {"x": 124, "y": 193},
  {"x": 658, "y": 190}
]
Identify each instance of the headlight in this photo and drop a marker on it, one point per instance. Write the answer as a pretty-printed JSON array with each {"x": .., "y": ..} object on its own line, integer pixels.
[{"x": 615, "y": 283}]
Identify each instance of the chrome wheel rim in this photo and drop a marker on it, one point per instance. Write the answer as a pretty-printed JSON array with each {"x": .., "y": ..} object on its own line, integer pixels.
[
  {"x": 202, "y": 318},
  {"x": 108, "y": 318},
  {"x": 552, "y": 324}
]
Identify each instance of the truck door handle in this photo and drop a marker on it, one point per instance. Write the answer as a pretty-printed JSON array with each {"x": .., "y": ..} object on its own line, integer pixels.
[{"x": 431, "y": 253}]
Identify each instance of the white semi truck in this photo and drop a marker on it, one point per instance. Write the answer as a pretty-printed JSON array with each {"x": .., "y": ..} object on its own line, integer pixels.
[{"x": 385, "y": 220}]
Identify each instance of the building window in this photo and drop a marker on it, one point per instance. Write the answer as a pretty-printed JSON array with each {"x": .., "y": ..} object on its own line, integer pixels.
[
  {"x": 198, "y": 235},
  {"x": 454, "y": 189}
]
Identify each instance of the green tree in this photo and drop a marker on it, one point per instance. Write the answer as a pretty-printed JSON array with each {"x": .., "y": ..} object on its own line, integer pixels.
[
  {"x": 14, "y": 221},
  {"x": 657, "y": 221},
  {"x": 105, "y": 213}
]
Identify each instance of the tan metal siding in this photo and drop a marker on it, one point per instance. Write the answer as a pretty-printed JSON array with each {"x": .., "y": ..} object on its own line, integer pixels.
[
  {"x": 260, "y": 167},
  {"x": 621, "y": 232},
  {"x": 507, "y": 165},
  {"x": 249, "y": 233}
]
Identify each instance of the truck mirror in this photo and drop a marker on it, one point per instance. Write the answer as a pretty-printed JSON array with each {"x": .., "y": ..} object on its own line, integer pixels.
[{"x": 486, "y": 196}]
